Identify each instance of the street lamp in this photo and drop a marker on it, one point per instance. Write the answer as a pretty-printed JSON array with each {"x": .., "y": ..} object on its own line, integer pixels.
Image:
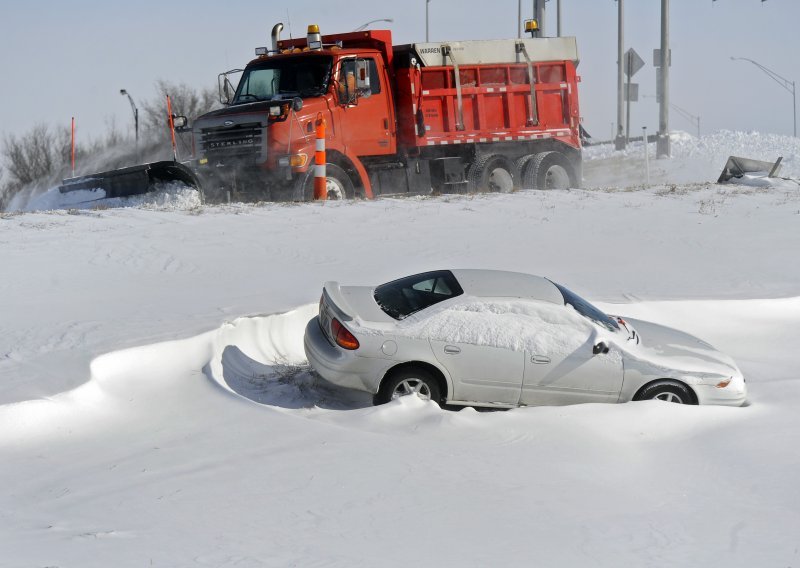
[
  {"x": 364, "y": 26},
  {"x": 783, "y": 82},
  {"x": 135, "y": 114}
]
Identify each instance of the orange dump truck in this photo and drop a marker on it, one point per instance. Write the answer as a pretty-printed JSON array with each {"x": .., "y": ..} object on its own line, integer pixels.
[{"x": 455, "y": 116}]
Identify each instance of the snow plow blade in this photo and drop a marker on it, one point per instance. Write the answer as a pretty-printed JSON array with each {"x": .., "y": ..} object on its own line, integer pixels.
[
  {"x": 737, "y": 167},
  {"x": 134, "y": 180}
]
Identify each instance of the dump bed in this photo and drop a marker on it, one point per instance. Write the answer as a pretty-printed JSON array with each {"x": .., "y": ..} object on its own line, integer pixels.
[{"x": 489, "y": 98}]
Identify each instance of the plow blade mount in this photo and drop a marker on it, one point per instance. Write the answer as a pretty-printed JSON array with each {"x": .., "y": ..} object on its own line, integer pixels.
[
  {"x": 134, "y": 180},
  {"x": 737, "y": 167}
]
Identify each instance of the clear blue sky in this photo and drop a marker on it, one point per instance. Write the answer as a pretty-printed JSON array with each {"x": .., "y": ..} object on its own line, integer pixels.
[{"x": 61, "y": 59}]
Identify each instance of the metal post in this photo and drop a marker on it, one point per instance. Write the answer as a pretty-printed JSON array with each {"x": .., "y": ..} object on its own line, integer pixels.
[
  {"x": 538, "y": 14},
  {"x": 620, "y": 142},
  {"x": 427, "y": 27},
  {"x": 519, "y": 19},
  {"x": 558, "y": 14},
  {"x": 794, "y": 108},
  {"x": 629, "y": 61},
  {"x": 662, "y": 142},
  {"x": 646, "y": 155}
]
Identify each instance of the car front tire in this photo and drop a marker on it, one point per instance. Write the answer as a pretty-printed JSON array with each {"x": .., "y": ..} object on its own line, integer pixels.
[
  {"x": 407, "y": 382},
  {"x": 667, "y": 391}
]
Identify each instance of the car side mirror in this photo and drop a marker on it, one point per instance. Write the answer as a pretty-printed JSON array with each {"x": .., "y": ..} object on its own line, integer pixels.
[
  {"x": 297, "y": 104},
  {"x": 600, "y": 348}
]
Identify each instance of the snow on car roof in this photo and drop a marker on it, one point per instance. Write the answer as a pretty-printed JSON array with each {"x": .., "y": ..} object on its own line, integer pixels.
[{"x": 504, "y": 284}]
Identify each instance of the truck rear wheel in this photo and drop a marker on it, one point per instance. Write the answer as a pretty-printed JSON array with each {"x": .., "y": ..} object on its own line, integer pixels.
[
  {"x": 549, "y": 170},
  {"x": 338, "y": 184},
  {"x": 491, "y": 173}
]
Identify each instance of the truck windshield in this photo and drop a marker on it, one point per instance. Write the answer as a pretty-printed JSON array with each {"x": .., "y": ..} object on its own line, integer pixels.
[{"x": 284, "y": 77}]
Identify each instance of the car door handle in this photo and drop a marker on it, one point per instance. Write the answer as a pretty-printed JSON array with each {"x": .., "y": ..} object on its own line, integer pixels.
[
  {"x": 451, "y": 350},
  {"x": 540, "y": 359}
]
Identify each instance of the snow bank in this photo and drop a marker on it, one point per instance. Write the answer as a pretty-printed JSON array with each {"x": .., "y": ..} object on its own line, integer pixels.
[{"x": 694, "y": 160}]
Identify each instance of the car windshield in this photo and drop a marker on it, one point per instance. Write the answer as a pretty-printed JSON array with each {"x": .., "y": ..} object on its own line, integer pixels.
[
  {"x": 587, "y": 310},
  {"x": 284, "y": 77},
  {"x": 401, "y": 298}
]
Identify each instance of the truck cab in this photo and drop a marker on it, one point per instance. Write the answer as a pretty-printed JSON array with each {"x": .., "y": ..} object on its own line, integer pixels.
[{"x": 263, "y": 140}]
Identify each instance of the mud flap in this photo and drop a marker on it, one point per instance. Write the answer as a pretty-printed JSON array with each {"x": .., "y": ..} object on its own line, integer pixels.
[
  {"x": 737, "y": 167},
  {"x": 134, "y": 180}
]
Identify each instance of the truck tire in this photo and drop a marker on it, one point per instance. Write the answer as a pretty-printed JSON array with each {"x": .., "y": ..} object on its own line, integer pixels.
[
  {"x": 521, "y": 168},
  {"x": 339, "y": 184},
  {"x": 493, "y": 173},
  {"x": 549, "y": 170}
]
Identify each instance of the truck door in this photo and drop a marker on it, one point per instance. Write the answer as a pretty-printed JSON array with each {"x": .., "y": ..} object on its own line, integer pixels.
[
  {"x": 367, "y": 125},
  {"x": 579, "y": 376}
]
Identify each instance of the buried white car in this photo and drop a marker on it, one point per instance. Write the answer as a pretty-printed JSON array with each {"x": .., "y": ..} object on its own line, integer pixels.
[{"x": 505, "y": 339}]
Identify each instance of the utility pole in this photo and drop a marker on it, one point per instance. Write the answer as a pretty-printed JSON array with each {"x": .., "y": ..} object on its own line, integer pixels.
[
  {"x": 619, "y": 141},
  {"x": 558, "y": 14},
  {"x": 538, "y": 14},
  {"x": 662, "y": 142}
]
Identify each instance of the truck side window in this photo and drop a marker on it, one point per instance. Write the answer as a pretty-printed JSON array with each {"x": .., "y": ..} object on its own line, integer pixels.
[{"x": 347, "y": 79}]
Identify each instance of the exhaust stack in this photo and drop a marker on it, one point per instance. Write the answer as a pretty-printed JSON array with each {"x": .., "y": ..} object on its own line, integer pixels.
[{"x": 276, "y": 35}]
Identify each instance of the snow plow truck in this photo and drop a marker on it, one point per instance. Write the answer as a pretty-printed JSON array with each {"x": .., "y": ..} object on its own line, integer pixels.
[{"x": 371, "y": 118}]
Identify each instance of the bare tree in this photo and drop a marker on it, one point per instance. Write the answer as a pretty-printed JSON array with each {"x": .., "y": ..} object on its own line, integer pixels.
[{"x": 186, "y": 101}]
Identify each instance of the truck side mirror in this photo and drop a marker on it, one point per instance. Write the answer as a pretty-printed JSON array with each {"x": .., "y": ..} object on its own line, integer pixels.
[
  {"x": 362, "y": 78},
  {"x": 179, "y": 121}
]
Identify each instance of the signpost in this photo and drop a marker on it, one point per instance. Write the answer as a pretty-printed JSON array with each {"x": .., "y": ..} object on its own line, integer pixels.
[{"x": 633, "y": 64}]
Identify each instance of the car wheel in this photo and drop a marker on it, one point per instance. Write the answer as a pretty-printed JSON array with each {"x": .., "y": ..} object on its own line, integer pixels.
[
  {"x": 549, "y": 170},
  {"x": 338, "y": 184},
  {"x": 492, "y": 173},
  {"x": 407, "y": 382},
  {"x": 668, "y": 391}
]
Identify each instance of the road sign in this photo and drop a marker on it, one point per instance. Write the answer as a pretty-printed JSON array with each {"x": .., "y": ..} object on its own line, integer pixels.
[
  {"x": 634, "y": 92},
  {"x": 632, "y": 62},
  {"x": 657, "y": 58}
]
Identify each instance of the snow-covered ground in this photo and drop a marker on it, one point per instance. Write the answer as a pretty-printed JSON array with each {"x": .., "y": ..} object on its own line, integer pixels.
[{"x": 156, "y": 407}]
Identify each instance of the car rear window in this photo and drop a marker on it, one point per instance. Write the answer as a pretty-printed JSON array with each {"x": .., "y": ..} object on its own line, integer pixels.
[{"x": 401, "y": 298}]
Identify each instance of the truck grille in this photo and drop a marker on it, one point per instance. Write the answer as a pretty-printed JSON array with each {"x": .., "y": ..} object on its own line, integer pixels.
[{"x": 243, "y": 142}]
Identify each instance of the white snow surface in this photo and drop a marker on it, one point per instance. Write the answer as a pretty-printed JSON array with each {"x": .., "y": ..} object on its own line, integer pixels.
[
  {"x": 517, "y": 325},
  {"x": 156, "y": 408}
]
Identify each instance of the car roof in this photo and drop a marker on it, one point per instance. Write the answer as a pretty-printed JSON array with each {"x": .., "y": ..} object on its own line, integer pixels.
[{"x": 504, "y": 284}]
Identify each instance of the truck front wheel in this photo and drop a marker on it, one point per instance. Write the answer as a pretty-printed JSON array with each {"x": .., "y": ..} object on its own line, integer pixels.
[{"x": 338, "y": 184}]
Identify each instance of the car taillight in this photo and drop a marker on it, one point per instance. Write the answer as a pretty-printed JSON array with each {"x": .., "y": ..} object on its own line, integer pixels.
[{"x": 342, "y": 336}]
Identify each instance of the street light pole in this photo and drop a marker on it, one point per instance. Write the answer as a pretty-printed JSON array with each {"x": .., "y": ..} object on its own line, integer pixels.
[
  {"x": 427, "y": 27},
  {"x": 364, "y": 26},
  {"x": 135, "y": 114},
  {"x": 783, "y": 82}
]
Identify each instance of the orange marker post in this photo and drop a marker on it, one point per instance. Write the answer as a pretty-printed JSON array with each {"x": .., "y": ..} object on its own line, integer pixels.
[
  {"x": 172, "y": 129},
  {"x": 320, "y": 178}
]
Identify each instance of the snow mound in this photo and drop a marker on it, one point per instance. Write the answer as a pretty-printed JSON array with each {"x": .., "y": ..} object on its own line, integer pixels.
[
  {"x": 172, "y": 196},
  {"x": 507, "y": 324},
  {"x": 694, "y": 160}
]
